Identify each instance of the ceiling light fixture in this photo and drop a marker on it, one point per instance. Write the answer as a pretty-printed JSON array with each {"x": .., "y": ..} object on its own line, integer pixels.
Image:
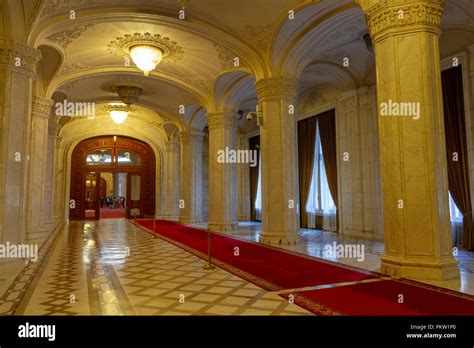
[
  {"x": 146, "y": 50},
  {"x": 128, "y": 95},
  {"x": 146, "y": 57},
  {"x": 118, "y": 113}
]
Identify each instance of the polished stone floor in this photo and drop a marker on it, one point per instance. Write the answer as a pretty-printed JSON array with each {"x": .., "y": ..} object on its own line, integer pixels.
[{"x": 109, "y": 267}]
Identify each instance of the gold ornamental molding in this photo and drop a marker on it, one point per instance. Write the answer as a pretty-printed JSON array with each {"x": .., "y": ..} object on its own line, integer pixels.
[
  {"x": 259, "y": 36},
  {"x": 402, "y": 15},
  {"x": 18, "y": 56},
  {"x": 278, "y": 87},
  {"x": 68, "y": 68},
  {"x": 172, "y": 52},
  {"x": 221, "y": 119},
  {"x": 105, "y": 109},
  {"x": 64, "y": 38},
  {"x": 42, "y": 107}
]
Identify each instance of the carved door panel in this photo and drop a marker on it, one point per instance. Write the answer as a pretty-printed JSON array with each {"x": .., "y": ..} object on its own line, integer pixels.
[
  {"x": 91, "y": 196},
  {"x": 135, "y": 196}
]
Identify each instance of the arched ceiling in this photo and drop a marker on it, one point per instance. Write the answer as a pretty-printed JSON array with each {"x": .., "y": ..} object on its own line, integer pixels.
[{"x": 260, "y": 33}]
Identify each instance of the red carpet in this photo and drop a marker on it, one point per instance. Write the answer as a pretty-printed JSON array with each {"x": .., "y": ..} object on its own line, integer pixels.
[
  {"x": 381, "y": 298},
  {"x": 276, "y": 269},
  {"x": 112, "y": 213}
]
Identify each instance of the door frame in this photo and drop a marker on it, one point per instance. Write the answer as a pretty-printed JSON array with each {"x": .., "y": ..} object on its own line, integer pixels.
[{"x": 146, "y": 169}]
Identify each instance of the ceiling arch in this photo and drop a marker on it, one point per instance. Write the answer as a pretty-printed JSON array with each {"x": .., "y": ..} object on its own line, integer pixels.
[{"x": 231, "y": 88}]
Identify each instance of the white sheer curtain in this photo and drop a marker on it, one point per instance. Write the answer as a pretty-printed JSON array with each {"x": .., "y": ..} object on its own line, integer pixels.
[
  {"x": 319, "y": 201},
  {"x": 258, "y": 198},
  {"x": 456, "y": 221}
]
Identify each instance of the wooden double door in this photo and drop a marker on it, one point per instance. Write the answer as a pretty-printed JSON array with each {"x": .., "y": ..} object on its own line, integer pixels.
[
  {"x": 111, "y": 154},
  {"x": 95, "y": 191}
]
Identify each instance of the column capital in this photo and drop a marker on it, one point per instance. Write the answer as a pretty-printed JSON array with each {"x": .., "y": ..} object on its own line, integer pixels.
[
  {"x": 276, "y": 87},
  {"x": 221, "y": 119},
  {"x": 388, "y": 16},
  {"x": 191, "y": 136},
  {"x": 42, "y": 107},
  {"x": 172, "y": 146},
  {"x": 18, "y": 56}
]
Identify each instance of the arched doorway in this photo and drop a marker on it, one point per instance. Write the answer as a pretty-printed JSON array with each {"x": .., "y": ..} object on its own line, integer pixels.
[{"x": 130, "y": 159}]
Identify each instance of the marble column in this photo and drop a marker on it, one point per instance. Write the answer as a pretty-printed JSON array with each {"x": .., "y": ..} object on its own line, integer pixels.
[
  {"x": 59, "y": 202},
  {"x": 171, "y": 204},
  {"x": 222, "y": 176},
  {"x": 412, "y": 149},
  {"x": 243, "y": 182},
  {"x": 49, "y": 186},
  {"x": 278, "y": 142},
  {"x": 190, "y": 202},
  {"x": 205, "y": 178},
  {"x": 38, "y": 167},
  {"x": 17, "y": 71}
]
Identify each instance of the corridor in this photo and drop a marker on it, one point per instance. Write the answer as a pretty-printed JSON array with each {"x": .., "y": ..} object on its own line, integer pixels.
[{"x": 109, "y": 267}]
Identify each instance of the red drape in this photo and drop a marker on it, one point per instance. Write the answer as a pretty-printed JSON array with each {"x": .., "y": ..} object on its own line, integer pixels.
[{"x": 456, "y": 150}]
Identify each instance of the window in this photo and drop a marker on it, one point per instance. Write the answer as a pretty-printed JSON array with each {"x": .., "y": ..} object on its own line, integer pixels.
[
  {"x": 104, "y": 157},
  {"x": 127, "y": 157},
  {"x": 454, "y": 212},
  {"x": 258, "y": 198},
  {"x": 99, "y": 157},
  {"x": 319, "y": 197}
]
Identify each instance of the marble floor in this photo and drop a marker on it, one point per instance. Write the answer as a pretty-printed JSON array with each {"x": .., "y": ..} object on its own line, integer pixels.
[{"x": 110, "y": 267}]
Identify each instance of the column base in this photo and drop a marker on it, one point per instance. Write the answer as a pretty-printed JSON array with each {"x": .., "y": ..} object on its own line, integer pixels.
[
  {"x": 445, "y": 269},
  {"x": 279, "y": 239},
  {"x": 218, "y": 227}
]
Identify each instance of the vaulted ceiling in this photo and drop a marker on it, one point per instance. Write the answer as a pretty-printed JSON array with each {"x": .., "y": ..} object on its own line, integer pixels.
[{"x": 79, "y": 62}]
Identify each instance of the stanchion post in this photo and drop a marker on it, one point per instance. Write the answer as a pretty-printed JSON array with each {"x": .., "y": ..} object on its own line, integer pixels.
[
  {"x": 135, "y": 221},
  {"x": 154, "y": 226},
  {"x": 209, "y": 266}
]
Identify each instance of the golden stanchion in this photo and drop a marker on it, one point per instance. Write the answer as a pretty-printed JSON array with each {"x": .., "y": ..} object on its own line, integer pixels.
[
  {"x": 209, "y": 266},
  {"x": 135, "y": 226},
  {"x": 154, "y": 226}
]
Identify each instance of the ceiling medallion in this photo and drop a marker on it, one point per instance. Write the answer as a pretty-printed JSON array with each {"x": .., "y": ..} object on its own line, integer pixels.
[
  {"x": 146, "y": 50},
  {"x": 112, "y": 86},
  {"x": 129, "y": 94}
]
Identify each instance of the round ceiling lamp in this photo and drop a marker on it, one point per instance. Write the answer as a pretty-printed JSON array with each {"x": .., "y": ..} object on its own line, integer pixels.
[
  {"x": 146, "y": 57},
  {"x": 118, "y": 113},
  {"x": 146, "y": 50},
  {"x": 128, "y": 95}
]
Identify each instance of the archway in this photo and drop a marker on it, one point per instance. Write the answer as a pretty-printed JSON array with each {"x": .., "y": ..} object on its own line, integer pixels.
[{"x": 122, "y": 156}]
